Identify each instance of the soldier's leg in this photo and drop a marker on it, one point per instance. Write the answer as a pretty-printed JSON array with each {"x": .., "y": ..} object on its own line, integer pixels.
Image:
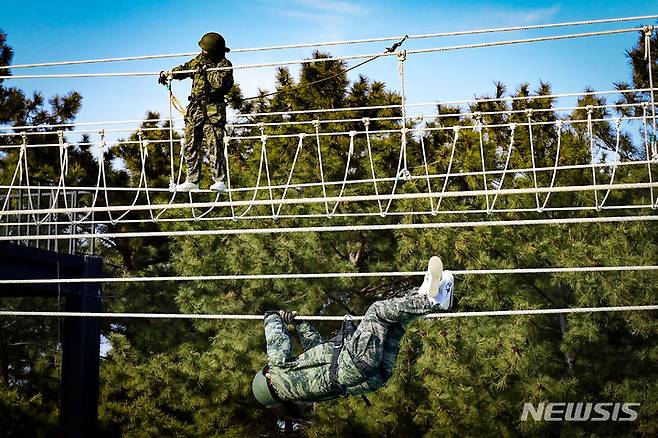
[
  {"x": 194, "y": 123},
  {"x": 391, "y": 350},
  {"x": 366, "y": 347},
  {"x": 214, "y": 140},
  {"x": 277, "y": 337}
]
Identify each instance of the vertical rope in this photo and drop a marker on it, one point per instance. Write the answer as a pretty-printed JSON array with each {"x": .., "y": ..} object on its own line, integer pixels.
[
  {"x": 263, "y": 141},
  {"x": 455, "y": 130},
  {"x": 27, "y": 176},
  {"x": 478, "y": 128},
  {"x": 366, "y": 124},
  {"x": 267, "y": 169},
  {"x": 316, "y": 125},
  {"x": 228, "y": 177},
  {"x": 402, "y": 56},
  {"x": 172, "y": 184},
  {"x": 19, "y": 164},
  {"x": 614, "y": 166},
  {"x": 648, "y": 31},
  {"x": 300, "y": 144},
  {"x": 347, "y": 170},
  {"x": 590, "y": 132},
  {"x": 178, "y": 178},
  {"x": 427, "y": 174},
  {"x": 101, "y": 164},
  {"x": 647, "y": 152},
  {"x": 512, "y": 128},
  {"x": 98, "y": 183},
  {"x": 532, "y": 155},
  {"x": 398, "y": 171},
  {"x": 143, "y": 154},
  {"x": 558, "y": 128}
]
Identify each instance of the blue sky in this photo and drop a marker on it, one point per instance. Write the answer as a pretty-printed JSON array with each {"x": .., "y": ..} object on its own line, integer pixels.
[{"x": 42, "y": 31}]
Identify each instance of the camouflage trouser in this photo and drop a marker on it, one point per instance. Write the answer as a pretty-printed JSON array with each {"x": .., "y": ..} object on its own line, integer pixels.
[
  {"x": 373, "y": 347},
  {"x": 205, "y": 126},
  {"x": 376, "y": 342}
]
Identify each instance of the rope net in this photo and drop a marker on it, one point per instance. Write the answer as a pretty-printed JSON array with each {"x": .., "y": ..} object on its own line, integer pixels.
[{"x": 322, "y": 172}]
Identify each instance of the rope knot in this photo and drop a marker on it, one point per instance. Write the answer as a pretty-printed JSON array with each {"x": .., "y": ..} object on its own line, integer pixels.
[
  {"x": 366, "y": 121},
  {"x": 352, "y": 134},
  {"x": 528, "y": 112},
  {"x": 24, "y": 144},
  {"x": 144, "y": 146},
  {"x": 617, "y": 122},
  {"x": 316, "y": 123},
  {"x": 590, "y": 109},
  {"x": 456, "y": 128},
  {"x": 301, "y": 136},
  {"x": 512, "y": 126},
  {"x": 62, "y": 144},
  {"x": 559, "y": 124},
  {"x": 648, "y": 30},
  {"x": 402, "y": 55}
]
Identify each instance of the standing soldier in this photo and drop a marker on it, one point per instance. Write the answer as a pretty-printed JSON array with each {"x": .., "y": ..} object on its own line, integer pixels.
[
  {"x": 205, "y": 119},
  {"x": 354, "y": 362}
]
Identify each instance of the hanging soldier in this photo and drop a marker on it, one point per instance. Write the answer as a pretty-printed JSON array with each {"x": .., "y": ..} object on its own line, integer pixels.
[
  {"x": 205, "y": 118},
  {"x": 357, "y": 360}
]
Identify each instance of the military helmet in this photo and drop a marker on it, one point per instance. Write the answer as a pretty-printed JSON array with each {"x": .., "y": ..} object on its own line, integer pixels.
[
  {"x": 213, "y": 43},
  {"x": 261, "y": 390}
]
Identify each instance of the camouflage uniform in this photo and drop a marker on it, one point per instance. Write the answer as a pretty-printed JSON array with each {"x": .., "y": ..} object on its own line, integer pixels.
[
  {"x": 206, "y": 114},
  {"x": 365, "y": 363}
]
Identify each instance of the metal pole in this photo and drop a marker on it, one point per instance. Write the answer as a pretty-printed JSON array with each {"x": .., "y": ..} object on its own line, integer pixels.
[
  {"x": 38, "y": 224},
  {"x": 19, "y": 203},
  {"x": 56, "y": 218},
  {"x": 93, "y": 231},
  {"x": 74, "y": 228},
  {"x": 50, "y": 218}
]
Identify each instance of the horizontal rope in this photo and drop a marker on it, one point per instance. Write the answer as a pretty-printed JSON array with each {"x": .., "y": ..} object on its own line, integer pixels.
[
  {"x": 346, "y": 42},
  {"x": 338, "y": 58},
  {"x": 81, "y": 189},
  {"x": 362, "y": 108},
  {"x": 332, "y": 199},
  {"x": 418, "y": 129},
  {"x": 549, "y": 270},
  {"x": 472, "y": 314},
  {"x": 82, "y": 223},
  {"x": 419, "y": 117},
  {"x": 338, "y": 228}
]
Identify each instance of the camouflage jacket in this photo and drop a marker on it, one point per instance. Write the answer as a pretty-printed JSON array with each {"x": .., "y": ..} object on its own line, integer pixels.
[
  {"x": 209, "y": 86},
  {"x": 306, "y": 377}
]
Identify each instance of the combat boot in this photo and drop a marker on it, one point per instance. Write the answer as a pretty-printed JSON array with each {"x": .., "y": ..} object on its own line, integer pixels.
[
  {"x": 438, "y": 284},
  {"x": 187, "y": 186},
  {"x": 218, "y": 186}
]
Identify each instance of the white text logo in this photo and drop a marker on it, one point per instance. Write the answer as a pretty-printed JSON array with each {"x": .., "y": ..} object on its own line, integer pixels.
[{"x": 570, "y": 411}]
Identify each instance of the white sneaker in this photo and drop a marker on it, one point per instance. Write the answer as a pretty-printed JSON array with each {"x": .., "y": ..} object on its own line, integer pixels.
[
  {"x": 430, "y": 286},
  {"x": 218, "y": 186},
  {"x": 187, "y": 186},
  {"x": 446, "y": 287}
]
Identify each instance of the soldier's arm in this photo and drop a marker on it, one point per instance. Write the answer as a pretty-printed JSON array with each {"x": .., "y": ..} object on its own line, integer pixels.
[
  {"x": 308, "y": 335},
  {"x": 221, "y": 80},
  {"x": 189, "y": 65}
]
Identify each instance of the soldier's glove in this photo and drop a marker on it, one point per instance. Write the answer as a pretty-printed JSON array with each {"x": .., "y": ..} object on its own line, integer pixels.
[
  {"x": 162, "y": 79},
  {"x": 288, "y": 317},
  {"x": 202, "y": 69}
]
